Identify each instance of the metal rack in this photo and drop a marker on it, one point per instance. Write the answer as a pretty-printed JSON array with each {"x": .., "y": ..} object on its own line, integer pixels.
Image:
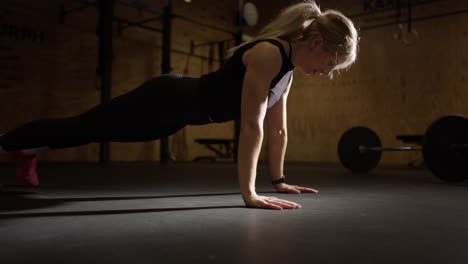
[{"x": 104, "y": 32}]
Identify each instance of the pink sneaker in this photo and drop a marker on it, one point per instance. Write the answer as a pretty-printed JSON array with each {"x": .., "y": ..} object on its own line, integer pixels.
[{"x": 25, "y": 167}]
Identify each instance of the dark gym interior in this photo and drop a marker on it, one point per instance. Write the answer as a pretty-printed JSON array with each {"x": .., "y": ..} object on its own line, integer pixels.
[{"x": 383, "y": 142}]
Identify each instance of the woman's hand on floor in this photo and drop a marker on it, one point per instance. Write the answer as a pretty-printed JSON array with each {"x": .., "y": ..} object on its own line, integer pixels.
[
  {"x": 286, "y": 188},
  {"x": 269, "y": 202}
]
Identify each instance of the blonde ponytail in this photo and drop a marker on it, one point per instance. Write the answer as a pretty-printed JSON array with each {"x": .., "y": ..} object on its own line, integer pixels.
[
  {"x": 288, "y": 23},
  {"x": 304, "y": 21}
]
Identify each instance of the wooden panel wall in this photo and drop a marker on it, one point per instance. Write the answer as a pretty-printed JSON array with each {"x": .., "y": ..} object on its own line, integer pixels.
[
  {"x": 57, "y": 76},
  {"x": 393, "y": 88}
]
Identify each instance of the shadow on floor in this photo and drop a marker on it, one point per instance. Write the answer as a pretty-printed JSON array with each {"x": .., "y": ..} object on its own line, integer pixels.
[
  {"x": 15, "y": 200},
  {"x": 111, "y": 212}
]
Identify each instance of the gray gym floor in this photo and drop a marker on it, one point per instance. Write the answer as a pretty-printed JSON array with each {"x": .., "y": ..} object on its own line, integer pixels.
[{"x": 193, "y": 213}]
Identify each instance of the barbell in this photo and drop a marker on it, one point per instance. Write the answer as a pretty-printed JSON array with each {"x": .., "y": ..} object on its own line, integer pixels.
[{"x": 444, "y": 148}]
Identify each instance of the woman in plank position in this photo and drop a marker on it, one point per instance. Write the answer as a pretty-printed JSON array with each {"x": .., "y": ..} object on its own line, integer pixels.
[{"x": 253, "y": 85}]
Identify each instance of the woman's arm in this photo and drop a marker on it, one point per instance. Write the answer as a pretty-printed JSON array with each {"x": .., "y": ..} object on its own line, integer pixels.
[
  {"x": 277, "y": 141},
  {"x": 277, "y": 135},
  {"x": 263, "y": 62}
]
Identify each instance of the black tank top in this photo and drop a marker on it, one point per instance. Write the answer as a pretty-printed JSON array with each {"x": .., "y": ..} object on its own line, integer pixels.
[{"x": 222, "y": 89}]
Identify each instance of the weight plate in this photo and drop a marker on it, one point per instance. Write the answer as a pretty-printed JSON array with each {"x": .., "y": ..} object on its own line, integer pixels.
[
  {"x": 448, "y": 163},
  {"x": 348, "y": 149}
]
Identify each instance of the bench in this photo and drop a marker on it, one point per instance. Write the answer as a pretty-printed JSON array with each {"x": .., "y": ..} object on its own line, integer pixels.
[
  {"x": 418, "y": 139},
  {"x": 222, "y": 148},
  {"x": 415, "y": 139}
]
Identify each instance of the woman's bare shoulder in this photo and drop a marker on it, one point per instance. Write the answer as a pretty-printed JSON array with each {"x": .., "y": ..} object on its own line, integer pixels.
[{"x": 264, "y": 54}]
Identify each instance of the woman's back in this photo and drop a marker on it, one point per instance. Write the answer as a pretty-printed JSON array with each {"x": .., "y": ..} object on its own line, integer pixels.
[{"x": 222, "y": 89}]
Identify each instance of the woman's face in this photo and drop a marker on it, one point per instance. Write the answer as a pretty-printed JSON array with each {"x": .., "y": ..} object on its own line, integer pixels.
[{"x": 315, "y": 59}]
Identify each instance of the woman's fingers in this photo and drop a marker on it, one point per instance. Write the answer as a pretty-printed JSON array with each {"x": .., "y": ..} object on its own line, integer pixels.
[
  {"x": 285, "y": 204},
  {"x": 288, "y": 189},
  {"x": 304, "y": 189},
  {"x": 295, "y": 190},
  {"x": 270, "y": 205},
  {"x": 293, "y": 205}
]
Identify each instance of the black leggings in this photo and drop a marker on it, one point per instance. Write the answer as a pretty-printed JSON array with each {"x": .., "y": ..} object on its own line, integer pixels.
[{"x": 159, "y": 107}]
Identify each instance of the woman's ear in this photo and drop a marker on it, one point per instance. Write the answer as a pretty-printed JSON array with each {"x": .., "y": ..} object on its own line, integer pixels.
[
  {"x": 297, "y": 37},
  {"x": 316, "y": 42}
]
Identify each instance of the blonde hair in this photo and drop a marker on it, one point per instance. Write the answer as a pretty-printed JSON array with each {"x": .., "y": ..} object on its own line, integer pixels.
[{"x": 304, "y": 21}]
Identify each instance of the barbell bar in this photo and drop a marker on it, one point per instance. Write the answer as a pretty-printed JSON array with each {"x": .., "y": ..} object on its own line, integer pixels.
[{"x": 364, "y": 149}]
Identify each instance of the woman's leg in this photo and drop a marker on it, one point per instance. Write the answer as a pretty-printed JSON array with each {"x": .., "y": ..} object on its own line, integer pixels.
[
  {"x": 155, "y": 109},
  {"x": 35, "y": 151},
  {"x": 48, "y": 133},
  {"x": 26, "y": 141},
  {"x": 140, "y": 115},
  {"x": 27, "y": 151},
  {"x": 158, "y": 108}
]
